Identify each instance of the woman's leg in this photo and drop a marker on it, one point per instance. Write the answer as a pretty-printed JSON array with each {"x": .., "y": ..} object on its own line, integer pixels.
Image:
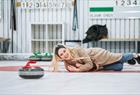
[
  {"x": 136, "y": 57},
  {"x": 126, "y": 57},
  {"x": 131, "y": 58},
  {"x": 118, "y": 66}
]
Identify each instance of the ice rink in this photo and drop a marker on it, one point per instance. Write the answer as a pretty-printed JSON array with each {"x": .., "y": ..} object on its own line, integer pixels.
[{"x": 126, "y": 82}]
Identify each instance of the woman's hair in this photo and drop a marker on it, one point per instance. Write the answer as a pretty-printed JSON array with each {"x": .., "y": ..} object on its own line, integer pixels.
[{"x": 56, "y": 57}]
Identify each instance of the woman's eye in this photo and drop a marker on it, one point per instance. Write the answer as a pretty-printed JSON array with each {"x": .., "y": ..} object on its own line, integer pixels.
[
  {"x": 64, "y": 51},
  {"x": 61, "y": 54}
]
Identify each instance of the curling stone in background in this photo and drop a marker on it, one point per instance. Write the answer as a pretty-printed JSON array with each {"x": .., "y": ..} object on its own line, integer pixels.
[
  {"x": 31, "y": 72},
  {"x": 36, "y": 56},
  {"x": 46, "y": 56}
]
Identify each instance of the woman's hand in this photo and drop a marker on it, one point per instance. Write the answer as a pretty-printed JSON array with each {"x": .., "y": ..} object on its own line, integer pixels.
[
  {"x": 78, "y": 65},
  {"x": 73, "y": 69}
]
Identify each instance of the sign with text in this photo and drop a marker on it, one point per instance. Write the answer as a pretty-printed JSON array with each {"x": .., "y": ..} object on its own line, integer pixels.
[
  {"x": 43, "y": 4},
  {"x": 114, "y": 9}
]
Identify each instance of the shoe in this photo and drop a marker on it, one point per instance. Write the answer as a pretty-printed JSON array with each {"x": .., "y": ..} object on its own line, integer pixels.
[
  {"x": 131, "y": 62},
  {"x": 138, "y": 59}
]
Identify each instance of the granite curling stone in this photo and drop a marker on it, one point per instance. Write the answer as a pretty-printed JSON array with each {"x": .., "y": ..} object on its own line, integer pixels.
[{"x": 31, "y": 72}]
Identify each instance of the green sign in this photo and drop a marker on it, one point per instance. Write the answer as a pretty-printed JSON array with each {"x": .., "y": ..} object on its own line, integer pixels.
[{"x": 101, "y": 9}]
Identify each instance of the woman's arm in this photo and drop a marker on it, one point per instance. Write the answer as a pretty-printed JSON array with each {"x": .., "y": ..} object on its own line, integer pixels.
[
  {"x": 88, "y": 65},
  {"x": 75, "y": 68}
]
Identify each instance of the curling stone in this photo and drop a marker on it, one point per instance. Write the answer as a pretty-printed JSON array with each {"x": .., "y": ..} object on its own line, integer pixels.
[
  {"x": 31, "y": 72},
  {"x": 36, "y": 56}
]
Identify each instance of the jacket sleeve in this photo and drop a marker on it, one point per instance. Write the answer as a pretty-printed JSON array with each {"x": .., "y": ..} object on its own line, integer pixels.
[{"x": 88, "y": 65}]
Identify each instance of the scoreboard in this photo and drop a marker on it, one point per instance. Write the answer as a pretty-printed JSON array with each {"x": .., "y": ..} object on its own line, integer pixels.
[{"x": 114, "y": 9}]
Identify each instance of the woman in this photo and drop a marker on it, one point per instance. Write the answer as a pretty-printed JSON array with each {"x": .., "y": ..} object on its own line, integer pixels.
[{"x": 91, "y": 59}]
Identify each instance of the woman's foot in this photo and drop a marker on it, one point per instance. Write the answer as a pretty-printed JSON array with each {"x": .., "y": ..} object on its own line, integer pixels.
[
  {"x": 131, "y": 62},
  {"x": 138, "y": 59}
]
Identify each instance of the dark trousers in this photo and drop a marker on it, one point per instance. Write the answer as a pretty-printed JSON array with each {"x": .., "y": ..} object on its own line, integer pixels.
[{"x": 118, "y": 66}]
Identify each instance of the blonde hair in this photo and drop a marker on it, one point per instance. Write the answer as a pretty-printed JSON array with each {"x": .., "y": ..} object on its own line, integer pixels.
[{"x": 54, "y": 64}]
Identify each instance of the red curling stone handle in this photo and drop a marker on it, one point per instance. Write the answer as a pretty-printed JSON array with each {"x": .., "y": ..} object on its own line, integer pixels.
[{"x": 28, "y": 64}]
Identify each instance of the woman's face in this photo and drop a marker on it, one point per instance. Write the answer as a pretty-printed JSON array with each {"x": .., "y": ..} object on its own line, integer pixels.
[{"x": 64, "y": 54}]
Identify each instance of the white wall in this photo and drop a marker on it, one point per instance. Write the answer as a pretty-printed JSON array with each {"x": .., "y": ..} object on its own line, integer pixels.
[
  {"x": 118, "y": 28},
  {"x": 5, "y": 19}
]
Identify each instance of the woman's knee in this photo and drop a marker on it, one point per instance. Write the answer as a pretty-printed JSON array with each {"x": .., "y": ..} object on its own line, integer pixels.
[
  {"x": 120, "y": 68},
  {"x": 114, "y": 67}
]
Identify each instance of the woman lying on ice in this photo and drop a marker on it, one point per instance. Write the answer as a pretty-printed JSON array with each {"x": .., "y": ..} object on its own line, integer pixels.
[{"x": 91, "y": 59}]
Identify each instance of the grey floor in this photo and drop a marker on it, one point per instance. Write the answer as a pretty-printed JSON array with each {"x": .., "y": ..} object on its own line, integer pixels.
[{"x": 126, "y": 82}]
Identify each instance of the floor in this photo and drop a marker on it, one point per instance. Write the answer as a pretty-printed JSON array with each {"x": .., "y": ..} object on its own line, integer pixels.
[{"x": 126, "y": 82}]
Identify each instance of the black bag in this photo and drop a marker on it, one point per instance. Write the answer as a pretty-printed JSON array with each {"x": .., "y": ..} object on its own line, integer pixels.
[{"x": 95, "y": 33}]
